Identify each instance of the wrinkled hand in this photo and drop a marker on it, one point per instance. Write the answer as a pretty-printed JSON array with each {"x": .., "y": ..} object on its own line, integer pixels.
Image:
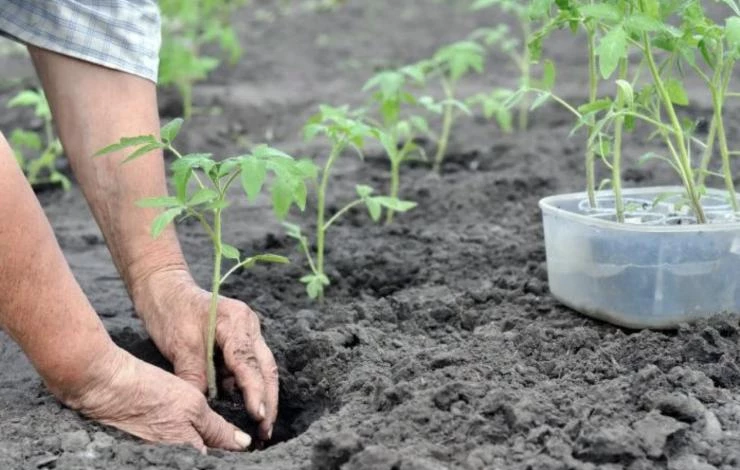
[
  {"x": 175, "y": 312},
  {"x": 143, "y": 400}
]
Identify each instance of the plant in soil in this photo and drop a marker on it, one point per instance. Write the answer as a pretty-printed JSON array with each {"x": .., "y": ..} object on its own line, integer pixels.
[
  {"x": 208, "y": 198},
  {"x": 397, "y": 133},
  {"x": 344, "y": 129},
  {"x": 527, "y": 14},
  {"x": 187, "y": 29},
  {"x": 449, "y": 65},
  {"x": 37, "y": 152}
]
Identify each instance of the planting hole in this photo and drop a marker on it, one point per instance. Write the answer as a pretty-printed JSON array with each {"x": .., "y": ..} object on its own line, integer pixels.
[{"x": 301, "y": 401}]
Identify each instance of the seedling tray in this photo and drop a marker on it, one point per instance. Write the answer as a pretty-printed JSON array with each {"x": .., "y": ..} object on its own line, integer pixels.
[{"x": 656, "y": 270}]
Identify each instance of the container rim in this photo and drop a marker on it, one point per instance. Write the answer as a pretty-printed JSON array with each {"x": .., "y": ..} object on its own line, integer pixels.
[{"x": 547, "y": 205}]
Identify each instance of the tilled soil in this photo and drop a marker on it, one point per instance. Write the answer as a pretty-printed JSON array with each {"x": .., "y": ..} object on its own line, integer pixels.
[{"x": 438, "y": 345}]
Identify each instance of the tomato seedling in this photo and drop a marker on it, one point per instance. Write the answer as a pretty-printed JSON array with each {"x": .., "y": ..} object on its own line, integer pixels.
[
  {"x": 449, "y": 64},
  {"x": 344, "y": 129},
  {"x": 527, "y": 14},
  {"x": 37, "y": 152},
  {"x": 187, "y": 28},
  {"x": 397, "y": 133},
  {"x": 208, "y": 198}
]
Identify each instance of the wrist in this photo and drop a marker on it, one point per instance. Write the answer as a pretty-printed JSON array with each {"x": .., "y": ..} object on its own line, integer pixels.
[{"x": 85, "y": 365}]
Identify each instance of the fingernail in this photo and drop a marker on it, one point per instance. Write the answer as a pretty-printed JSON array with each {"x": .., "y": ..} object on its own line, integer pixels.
[
  {"x": 269, "y": 434},
  {"x": 262, "y": 411},
  {"x": 242, "y": 439}
]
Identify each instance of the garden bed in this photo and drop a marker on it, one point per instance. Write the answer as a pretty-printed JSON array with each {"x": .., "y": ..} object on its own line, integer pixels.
[{"x": 438, "y": 345}]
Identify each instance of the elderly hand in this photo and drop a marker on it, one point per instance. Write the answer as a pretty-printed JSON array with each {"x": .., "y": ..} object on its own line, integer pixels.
[
  {"x": 175, "y": 313},
  {"x": 124, "y": 392}
]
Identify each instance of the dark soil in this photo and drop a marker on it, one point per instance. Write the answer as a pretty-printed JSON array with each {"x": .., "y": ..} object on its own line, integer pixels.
[{"x": 439, "y": 345}]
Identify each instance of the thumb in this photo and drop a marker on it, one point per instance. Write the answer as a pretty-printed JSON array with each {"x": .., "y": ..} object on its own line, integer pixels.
[
  {"x": 192, "y": 371},
  {"x": 219, "y": 433}
]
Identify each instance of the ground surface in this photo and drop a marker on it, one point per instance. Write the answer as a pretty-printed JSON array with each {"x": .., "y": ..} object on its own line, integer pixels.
[{"x": 439, "y": 345}]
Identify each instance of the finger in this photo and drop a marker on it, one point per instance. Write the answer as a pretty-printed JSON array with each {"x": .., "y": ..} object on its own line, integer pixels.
[
  {"x": 191, "y": 370},
  {"x": 271, "y": 383},
  {"x": 249, "y": 379},
  {"x": 218, "y": 433},
  {"x": 196, "y": 441}
]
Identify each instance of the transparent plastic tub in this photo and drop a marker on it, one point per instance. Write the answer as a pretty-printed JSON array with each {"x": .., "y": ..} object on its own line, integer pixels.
[{"x": 655, "y": 271}]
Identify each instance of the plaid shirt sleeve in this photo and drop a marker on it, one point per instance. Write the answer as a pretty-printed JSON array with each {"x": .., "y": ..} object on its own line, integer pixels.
[{"x": 120, "y": 34}]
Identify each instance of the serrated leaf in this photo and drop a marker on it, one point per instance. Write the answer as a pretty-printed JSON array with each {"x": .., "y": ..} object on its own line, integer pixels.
[
  {"x": 628, "y": 94},
  {"x": 229, "y": 252},
  {"x": 293, "y": 230},
  {"x": 163, "y": 220},
  {"x": 641, "y": 23},
  {"x": 732, "y": 32},
  {"x": 253, "y": 176},
  {"x": 549, "y": 75},
  {"x": 595, "y": 106},
  {"x": 170, "y": 130}
]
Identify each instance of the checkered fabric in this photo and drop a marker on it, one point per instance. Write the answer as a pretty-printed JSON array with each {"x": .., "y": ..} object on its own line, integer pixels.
[{"x": 119, "y": 34}]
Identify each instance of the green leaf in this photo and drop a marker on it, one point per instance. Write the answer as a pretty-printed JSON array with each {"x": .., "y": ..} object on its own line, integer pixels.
[
  {"x": 611, "y": 49},
  {"x": 293, "y": 230},
  {"x": 141, "y": 151},
  {"x": 540, "y": 100},
  {"x": 270, "y": 258},
  {"x": 127, "y": 142},
  {"x": 628, "y": 93},
  {"x": 315, "y": 284},
  {"x": 394, "y": 203},
  {"x": 229, "y": 252},
  {"x": 253, "y": 176},
  {"x": 373, "y": 207},
  {"x": 170, "y": 130},
  {"x": 28, "y": 139},
  {"x": 732, "y": 32},
  {"x": 180, "y": 179},
  {"x": 203, "y": 196},
  {"x": 641, "y": 23},
  {"x": 601, "y": 11},
  {"x": 595, "y": 106},
  {"x": 549, "y": 75},
  {"x": 677, "y": 92},
  {"x": 364, "y": 190},
  {"x": 164, "y": 219},
  {"x": 282, "y": 197},
  {"x": 159, "y": 202}
]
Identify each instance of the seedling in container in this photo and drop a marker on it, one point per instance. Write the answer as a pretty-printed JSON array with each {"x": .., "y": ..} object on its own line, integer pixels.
[
  {"x": 208, "y": 198},
  {"x": 344, "y": 129},
  {"x": 37, "y": 153}
]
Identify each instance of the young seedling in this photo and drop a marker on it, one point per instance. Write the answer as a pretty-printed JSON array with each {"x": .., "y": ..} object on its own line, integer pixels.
[
  {"x": 517, "y": 49},
  {"x": 397, "y": 133},
  {"x": 450, "y": 64},
  {"x": 344, "y": 129},
  {"x": 188, "y": 27},
  {"x": 208, "y": 198},
  {"x": 37, "y": 153}
]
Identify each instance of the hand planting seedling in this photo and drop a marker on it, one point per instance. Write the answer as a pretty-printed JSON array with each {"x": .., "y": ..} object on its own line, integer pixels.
[
  {"x": 344, "y": 129},
  {"x": 187, "y": 28},
  {"x": 208, "y": 199},
  {"x": 450, "y": 64},
  {"x": 396, "y": 133},
  {"x": 37, "y": 153}
]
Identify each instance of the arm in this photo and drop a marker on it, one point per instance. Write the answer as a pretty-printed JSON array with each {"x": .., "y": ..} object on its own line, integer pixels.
[
  {"x": 93, "y": 107},
  {"x": 60, "y": 333}
]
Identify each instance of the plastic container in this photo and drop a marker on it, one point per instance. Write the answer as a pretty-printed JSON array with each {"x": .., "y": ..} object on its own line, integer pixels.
[{"x": 655, "y": 271}]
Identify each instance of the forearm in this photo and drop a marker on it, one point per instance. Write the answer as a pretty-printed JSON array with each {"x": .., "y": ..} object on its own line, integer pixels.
[
  {"x": 41, "y": 305},
  {"x": 94, "y": 107}
]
